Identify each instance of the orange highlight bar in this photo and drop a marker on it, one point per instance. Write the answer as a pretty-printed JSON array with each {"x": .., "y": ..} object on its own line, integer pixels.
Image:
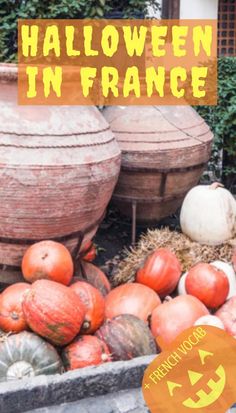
[{"x": 117, "y": 62}]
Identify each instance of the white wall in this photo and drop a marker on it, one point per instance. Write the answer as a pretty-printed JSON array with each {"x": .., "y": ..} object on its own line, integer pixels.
[{"x": 198, "y": 9}]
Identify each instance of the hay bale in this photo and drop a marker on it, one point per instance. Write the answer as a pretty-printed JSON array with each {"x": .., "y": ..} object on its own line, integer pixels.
[{"x": 188, "y": 252}]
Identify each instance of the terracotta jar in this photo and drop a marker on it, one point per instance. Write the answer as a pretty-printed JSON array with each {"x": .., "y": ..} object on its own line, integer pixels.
[
  {"x": 164, "y": 152},
  {"x": 58, "y": 169}
]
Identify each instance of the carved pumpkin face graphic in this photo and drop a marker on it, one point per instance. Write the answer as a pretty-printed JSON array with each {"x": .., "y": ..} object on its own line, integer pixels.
[{"x": 196, "y": 373}]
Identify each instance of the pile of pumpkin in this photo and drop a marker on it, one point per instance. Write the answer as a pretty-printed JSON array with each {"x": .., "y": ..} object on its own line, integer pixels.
[
  {"x": 55, "y": 322},
  {"x": 58, "y": 320}
]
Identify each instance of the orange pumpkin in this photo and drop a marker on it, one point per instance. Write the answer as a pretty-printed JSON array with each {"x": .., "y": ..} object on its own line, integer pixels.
[
  {"x": 48, "y": 260},
  {"x": 134, "y": 298},
  {"x": 12, "y": 318},
  {"x": 161, "y": 272},
  {"x": 85, "y": 351},
  {"x": 174, "y": 316},
  {"x": 208, "y": 283},
  {"x": 94, "y": 306},
  {"x": 94, "y": 276},
  {"x": 53, "y": 311}
]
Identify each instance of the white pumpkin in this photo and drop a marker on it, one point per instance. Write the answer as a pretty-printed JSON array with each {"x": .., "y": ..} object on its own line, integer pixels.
[
  {"x": 208, "y": 214},
  {"x": 221, "y": 265},
  {"x": 181, "y": 290},
  {"x": 229, "y": 271},
  {"x": 210, "y": 320}
]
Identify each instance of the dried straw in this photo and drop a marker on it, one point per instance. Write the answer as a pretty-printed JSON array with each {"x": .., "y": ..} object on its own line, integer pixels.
[{"x": 188, "y": 252}]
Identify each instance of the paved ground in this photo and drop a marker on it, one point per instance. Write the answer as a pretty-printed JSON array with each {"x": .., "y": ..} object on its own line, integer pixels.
[{"x": 121, "y": 402}]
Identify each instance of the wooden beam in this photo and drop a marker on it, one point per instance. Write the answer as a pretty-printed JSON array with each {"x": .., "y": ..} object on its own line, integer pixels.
[{"x": 170, "y": 9}]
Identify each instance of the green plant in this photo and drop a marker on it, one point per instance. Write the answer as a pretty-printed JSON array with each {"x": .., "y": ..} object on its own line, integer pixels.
[
  {"x": 131, "y": 8},
  {"x": 222, "y": 120},
  {"x": 12, "y": 10}
]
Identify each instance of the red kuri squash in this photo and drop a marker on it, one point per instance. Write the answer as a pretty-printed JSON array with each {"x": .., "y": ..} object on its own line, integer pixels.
[
  {"x": 85, "y": 351},
  {"x": 161, "y": 272},
  {"x": 11, "y": 314},
  {"x": 48, "y": 260},
  {"x": 174, "y": 316},
  {"x": 134, "y": 298},
  {"x": 127, "y": 337},
  {"x": 208, "y": 283},
  {"x": 53, "y": 311},
  {"x": 94, "y": 304}
]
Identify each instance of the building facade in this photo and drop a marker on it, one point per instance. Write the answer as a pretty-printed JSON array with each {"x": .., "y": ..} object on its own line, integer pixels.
[{"x": 223, "y": 10}]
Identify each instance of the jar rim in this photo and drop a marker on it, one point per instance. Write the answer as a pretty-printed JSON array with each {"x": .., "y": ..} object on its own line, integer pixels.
[{"x": 8, "y": 71}]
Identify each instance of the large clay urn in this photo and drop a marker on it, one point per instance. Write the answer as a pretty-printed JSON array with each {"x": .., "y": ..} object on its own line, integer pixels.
[
  {"x": 164, "y": 152},
  {"x": 58, "y": 169}
]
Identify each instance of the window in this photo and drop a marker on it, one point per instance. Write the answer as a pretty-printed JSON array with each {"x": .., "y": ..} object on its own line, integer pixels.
[{"x": 227, "y": 28}]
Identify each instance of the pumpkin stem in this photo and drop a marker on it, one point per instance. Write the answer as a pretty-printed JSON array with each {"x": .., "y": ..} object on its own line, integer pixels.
[
  {"x": 104, "y": 357},
  {"x": 14, "y": 316},
  {"x": 45, "y": 256},
  {"x": 167, "y": 299},
  {"x": 149, "y": 318},
  {"x": 216, "y": 185},
  {"x": 86, "y": 325}
]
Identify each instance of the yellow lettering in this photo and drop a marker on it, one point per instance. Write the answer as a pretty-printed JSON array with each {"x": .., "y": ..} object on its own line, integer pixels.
[
  {"x": 29, "y": 36},
  {"x": 134, "y": 41},
  {"x": 172, "y": 363},
  {"x": 202, "y": 38},
  {"x": 158, "y": 40},
  {"x": 110, "y": 79},
  {"x": 155, "y": 375},
  {"x": 88, "y": 37},
  {"x": 52, "y": 78},
  {"x": 176, "y": 74},
  {"x": 162, "y": 370},
  {"x": 31, "y": 73},
  {"x": 167, "y": 365},
  {"x": 110, "y": 40},
  {"x": 70, "y": 33},
  {"x": 131, "y": 82},
  {"x": 199, "y": 75},
  {"x": 155, "y": 78},
  {"x": 51, "y": 41},
  {"x": 179, "y": 34},
  {"x": 192, "y": 342},
  {"x": 201, "y": 332},
  {"x": 87, "y": 74},
  {"x": 176, "y": 356}
]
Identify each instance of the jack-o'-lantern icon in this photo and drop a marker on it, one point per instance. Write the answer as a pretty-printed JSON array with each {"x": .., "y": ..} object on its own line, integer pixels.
[{"x": 195, "y": 374}]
